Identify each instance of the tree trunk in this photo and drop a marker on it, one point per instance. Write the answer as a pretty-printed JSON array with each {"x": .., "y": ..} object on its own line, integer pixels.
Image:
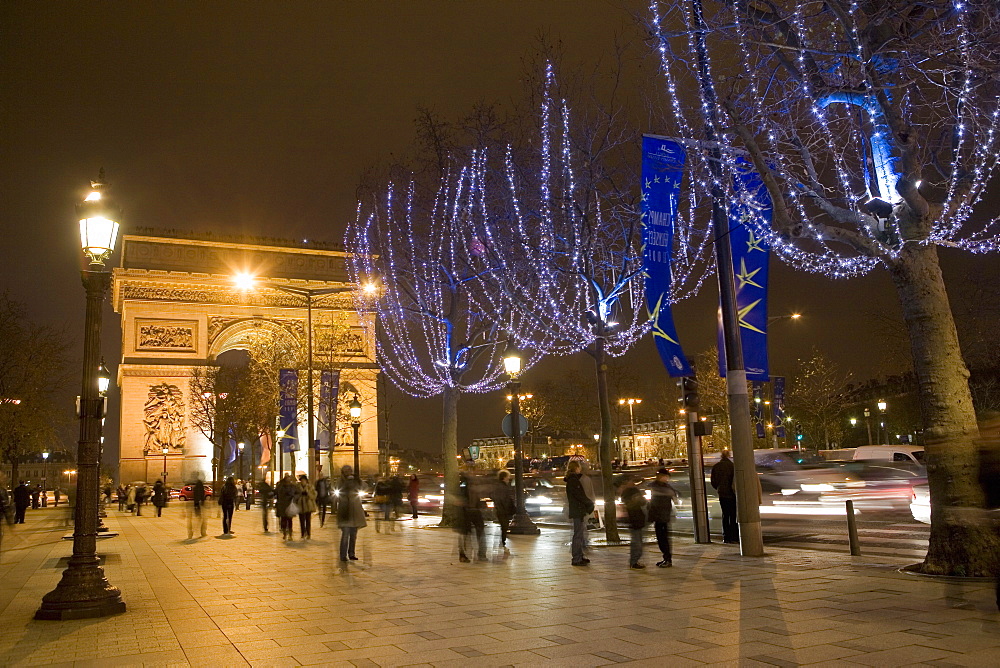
[
  {"x": 449, "y": 452},
  {"x": 959, "y": 545},
  {"x": 607, "y": 486}
]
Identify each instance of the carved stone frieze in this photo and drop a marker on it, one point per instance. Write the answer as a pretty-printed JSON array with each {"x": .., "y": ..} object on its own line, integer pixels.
[
  {"x": 163, "y": 416},
  {"x": 165, "y": 335},
  {"x": 216, "y": 324}
]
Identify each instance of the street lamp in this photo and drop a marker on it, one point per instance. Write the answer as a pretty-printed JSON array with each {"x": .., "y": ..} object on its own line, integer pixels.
[
  {"x": 868, "y": 424},
  {"x": 521, "y": 522},
  {"x": 45, "y": 470},
  {"x": 882, "y": 406},
  {"x": 165, "y": 451},
  {"x": 245, "y": 281},
  {"x": 240, "y": 446},
  {"x": 84, "y": 591},
  {"x": 355, "y": 410},
  {"x": 790, "y": 316},
  {"x": 631, "y": 418}
]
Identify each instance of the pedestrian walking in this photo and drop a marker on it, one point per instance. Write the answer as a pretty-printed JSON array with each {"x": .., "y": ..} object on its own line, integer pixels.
[
  {"x": 503, "y": 505},
  {"x": 396, "y": 488},
  {"x": 140, "y": 497},
  {"x": 266, "y": 493},
  {"x": 472, "y": 504},
  {"x": 159, "y": 497},
  {"x": 413, "y": 494},
  {"x": 227, "y": 500},
  {"x": 36, "y": 494},
  {"x": 635, "y": 505},
  {"x": 322, "y": 498},
  {"x": 197, "y": 512},
  {"x": 307, "y": 506},
  {"x": 350, "y": 513},
  {"x": 22, "y": 499},
  {"x": 247, "y": 494},
  {"x": 661, "y": 503},
  {"x": 723, "y": 476},
  {"x": 580, "y": 507},
  {"x": 56, "y": 495},
  {"x": 122, "y": 497},
  {"x": 286, "y": 504},
  {"x": 380, "y": 495}
]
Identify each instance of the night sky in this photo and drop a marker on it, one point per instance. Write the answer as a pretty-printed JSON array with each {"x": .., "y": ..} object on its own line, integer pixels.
[{"x": 259, "y": 118}]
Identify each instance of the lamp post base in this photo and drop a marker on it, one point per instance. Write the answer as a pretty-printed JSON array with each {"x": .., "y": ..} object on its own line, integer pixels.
[
  {"x": 83, "y": 593},
  {"x": 522, "y": 525}
]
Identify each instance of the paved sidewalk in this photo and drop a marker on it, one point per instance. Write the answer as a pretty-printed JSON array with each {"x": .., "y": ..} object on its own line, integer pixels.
[{"x": 253, "y": 600}]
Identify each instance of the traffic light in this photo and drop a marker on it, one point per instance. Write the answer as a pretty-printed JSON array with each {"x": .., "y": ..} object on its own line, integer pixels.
[
  {"x": 798, "y": 431},
  {"x": 689, "y": 392}
]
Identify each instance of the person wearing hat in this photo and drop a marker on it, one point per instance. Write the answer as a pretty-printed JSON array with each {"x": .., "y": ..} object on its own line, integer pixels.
[{"x": 662, "y": 498}]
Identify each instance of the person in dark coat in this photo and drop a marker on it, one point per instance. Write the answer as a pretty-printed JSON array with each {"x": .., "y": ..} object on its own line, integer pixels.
[
  {"x": 580, "y": 507},
  {"x": 56, "y": 496},
  {"x": 140, "y": 498},
  {"x": 286, "y": 493},
  {"x": 36, "y": 494},
  {"x": 227, "y": 499},
  {"x": 503, "y": 504},
  {"x": 349, "y": 511},
  {"x": 471, "y": 499},
  {"x": 723, "y": 476},
  {"x": 635, "y": 505},
  {"x": 413, "y": 494},
  {"x": 396, "y": 495},
  {"x": 381, "y": 496},
  {"x": 197, "y": 512},
  {"x": 662, "y": 498},
  {"x": 22, "y": 499},
  {"x": 266, "y": 500},
  {"x": 159, "y": 497},
  {"x": 322, "y": 498}
]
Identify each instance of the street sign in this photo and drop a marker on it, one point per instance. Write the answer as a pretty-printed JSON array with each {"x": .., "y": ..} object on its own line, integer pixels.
[{"x": 508, "y": 425}]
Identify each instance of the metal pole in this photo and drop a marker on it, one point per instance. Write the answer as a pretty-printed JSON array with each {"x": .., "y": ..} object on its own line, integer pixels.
[
  {"x": 357, "y": 459},
  {"x": 852, "y": 530},
  {"x": 748, "y": 510},
  {"x": 84, "y": 592},
  {"x": 696, "y": 478},
  {"x": 311, "y": 451},
  {"x": 521, "y": 523},
  {"x": 631, "y": 419},
  {"x": 868, "y": 424}
]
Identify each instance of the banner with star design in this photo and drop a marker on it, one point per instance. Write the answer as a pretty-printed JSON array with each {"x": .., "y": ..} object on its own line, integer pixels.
[
  {"x": 662, "y": 172},
  {"x": 288, "y": 383},
  {"x": 750, "y": 260}
]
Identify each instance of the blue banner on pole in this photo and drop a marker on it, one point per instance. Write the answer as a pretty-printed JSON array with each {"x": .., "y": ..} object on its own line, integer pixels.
[
  {"x": 778, "y": 405},
  {"x": 288, "y": 381},
  {"x": 662, "y": 172},
  {"x": 231, "y": 451},
  {"x": 329, "y": 391},
  {"x": 750, "y": 270}
]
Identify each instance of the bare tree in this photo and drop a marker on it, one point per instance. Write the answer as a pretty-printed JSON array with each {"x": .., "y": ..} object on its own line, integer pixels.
[{"x": 817, "y": 397}]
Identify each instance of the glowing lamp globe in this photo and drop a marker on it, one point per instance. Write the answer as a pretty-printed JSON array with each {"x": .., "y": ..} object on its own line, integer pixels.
[
  {"x": 99, "y": 222},
  {"x": 512, "y": 361},
  {"x": 355, "y": 408},
  {"x": 103, "y": 378}
]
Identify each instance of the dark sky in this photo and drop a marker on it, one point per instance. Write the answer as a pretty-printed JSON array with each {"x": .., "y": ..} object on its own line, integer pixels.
[{"x": 260, "y": 117}]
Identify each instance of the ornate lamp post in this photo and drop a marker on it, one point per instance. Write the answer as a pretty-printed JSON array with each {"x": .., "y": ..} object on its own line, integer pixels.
[
  {"x": 521, "y": 523},
  {"x": 882, "y": 406},
  {"x": 868, "y": 424},
  {"x": 355, "y": 409},
  {"x": 45, "y": 471},
  {"x": 240, "y": 446},
  {"x": 165, "y": 451},
  {"x": 83, "y": 591},
  {"x": 631, "y": 418}
]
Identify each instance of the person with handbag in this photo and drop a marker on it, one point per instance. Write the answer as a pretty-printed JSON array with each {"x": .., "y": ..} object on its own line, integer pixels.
[
  {"x": 286, "y": 504},
  {"x": 349, "y": 511},
  {"x": 307, "y": 506}
]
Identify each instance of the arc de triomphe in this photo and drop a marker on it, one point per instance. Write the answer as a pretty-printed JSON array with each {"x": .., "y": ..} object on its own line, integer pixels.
[{"x": 181, "y": 309}]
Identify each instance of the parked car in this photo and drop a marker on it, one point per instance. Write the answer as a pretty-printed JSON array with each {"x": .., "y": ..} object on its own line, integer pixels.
[
  {"x": 892, "y": 453},
  {"x": 187, "y": 492}
]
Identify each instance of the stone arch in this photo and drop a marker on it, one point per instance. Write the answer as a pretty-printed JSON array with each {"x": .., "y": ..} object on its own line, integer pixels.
[{"x": 238, "y": 335}]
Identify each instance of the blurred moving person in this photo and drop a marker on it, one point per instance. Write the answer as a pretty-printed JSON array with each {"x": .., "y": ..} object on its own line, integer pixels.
[
  {"x": 723, "y": 475},
  {"x": 413, "y": 494},
  {"x": 635, "y": 505},
  {"x": 266, "y": 499},
  {"x": 322, "y": 498},
  {"x": 503, "y": 504},
  {"x": 662, "y": 498},
  {"x": 307, "y": 506},
  {"x": 197, "y": 511},
  {"x": 470, "y": 497},
  {"x": 350, "y": 513},
  {"x": 580, "y": 507}
]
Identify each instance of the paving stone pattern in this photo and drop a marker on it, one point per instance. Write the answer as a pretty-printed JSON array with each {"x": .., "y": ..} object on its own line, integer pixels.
[{"x": 252, "y": 599}]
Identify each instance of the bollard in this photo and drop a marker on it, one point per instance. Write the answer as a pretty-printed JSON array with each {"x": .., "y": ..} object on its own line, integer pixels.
[{"x": 852, "y": 530}]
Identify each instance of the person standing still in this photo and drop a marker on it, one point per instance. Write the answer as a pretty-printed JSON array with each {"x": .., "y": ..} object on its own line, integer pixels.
[
  {"x": 349, "y": 511},
  {"x": 503, "y": 504},
  {"x": 307, "y": 506},
  {"x": 723, "y": 475},
  {"x": 56, "y": 495},
  {"x": 580, "y": 507},
  {"x": 227, "y": 500},
  {"x": 22, "y": 499},
  {"x": 662, "y": 498},
  {"x": 286, "y": 494},
  {"x": 635, "y": 506},
  {"x": 413, "y": 494}
]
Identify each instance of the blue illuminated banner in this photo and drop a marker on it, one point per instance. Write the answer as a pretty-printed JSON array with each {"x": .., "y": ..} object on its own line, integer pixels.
[
  {"x": 329, "y": 391},
  {"x": 662, "y": 172},
  {"x": 750, "y": 269},
  {"x": 288, "y": 381},
  {"x": 758, "y": 407}
]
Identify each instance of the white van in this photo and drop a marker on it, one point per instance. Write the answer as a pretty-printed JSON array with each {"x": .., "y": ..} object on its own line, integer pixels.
[{"x": 891, "y": 453}]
